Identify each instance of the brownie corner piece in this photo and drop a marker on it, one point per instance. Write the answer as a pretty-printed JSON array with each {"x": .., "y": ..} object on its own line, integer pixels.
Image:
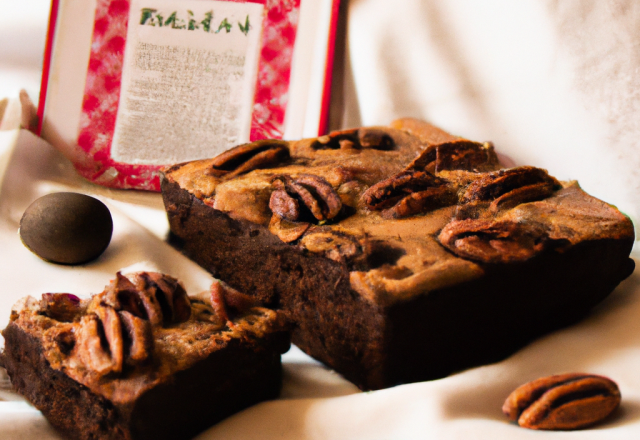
[
  {"x": 401, "y": 253},
  {"x": 142, "y": 360}
]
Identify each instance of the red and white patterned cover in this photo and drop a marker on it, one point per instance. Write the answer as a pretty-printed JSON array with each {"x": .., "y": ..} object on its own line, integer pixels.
[{"x": 103, "y": 84}]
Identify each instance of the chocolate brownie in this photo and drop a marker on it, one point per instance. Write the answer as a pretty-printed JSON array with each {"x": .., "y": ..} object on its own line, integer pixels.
[
  {"x": 142, "y": 360},
  {"x": 401, "y": 253}
]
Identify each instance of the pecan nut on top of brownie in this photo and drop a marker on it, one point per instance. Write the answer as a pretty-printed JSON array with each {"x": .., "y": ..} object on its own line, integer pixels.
[
  {"x": 142, "y": 360},
  {"x": 401, "y": 253}
]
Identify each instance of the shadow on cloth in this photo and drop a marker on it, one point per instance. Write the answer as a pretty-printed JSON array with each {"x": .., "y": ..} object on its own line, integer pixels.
[{"x": 611, "y": 329}]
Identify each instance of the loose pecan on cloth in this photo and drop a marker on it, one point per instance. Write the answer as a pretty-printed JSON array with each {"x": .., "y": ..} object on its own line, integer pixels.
[{"x": 562, "y": 402}]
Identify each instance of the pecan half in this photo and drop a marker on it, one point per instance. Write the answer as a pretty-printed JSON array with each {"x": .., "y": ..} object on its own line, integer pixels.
[
  {"x": 355, "y": 138},
  {"x": 219, "y": 305},
  {"x": 122, "y": 294},
  {"x": 526, "y": 183},
  {"x": 63, "y": 307},
  {"x": 249, "y": 157},
  {"x": 107, "y": 339},
  {"x": 287, "y": 231},
  {"x": 337, "y": 246},
  {"x": 114, "y": 328},
  {"x": 152, "y": 296},
  {"x": 99, "y": 341},
  {"x": 460, "y": 154},
  {"x": 426, "y": 160},
  {"x": 390, "y": 191},
  {"x": 305, "y": 190},
  {"x": 138, "y": 336},
  {"x": 422, "y": 201},
  {"x": 466, "y": 155},
  {"x": 408, "y": 193},
  {"x": 227, "y": 302},
  {"x": 491, "y": 241},
  {"x": 234, "y": 299},
  {"x": 202, "y": 310},
  {"x": 561, "y": 402},
  {"x": 164, "y": 292},
  {"x": 284, "y": 205},
  {"x": 528, "y": 193}
]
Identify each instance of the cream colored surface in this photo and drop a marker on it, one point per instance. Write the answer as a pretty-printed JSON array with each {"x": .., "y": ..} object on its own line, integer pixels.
[
  {"x": 23, "y": 27},
  {"x": 316, "y": 403},
  {"x": 552, "y": 83}
]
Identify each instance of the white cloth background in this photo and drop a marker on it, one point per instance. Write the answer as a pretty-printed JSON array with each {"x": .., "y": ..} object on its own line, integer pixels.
[
  {"x": 23, "y": 28},
  {"x": 552, "y": 83}
]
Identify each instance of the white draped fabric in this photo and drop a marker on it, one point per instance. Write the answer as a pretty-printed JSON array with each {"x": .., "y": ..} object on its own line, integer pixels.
[{"x": 552, "y": 83}]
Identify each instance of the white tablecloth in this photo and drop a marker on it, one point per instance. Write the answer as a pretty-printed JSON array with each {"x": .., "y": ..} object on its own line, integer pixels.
[{"x": 552, "y": 83}]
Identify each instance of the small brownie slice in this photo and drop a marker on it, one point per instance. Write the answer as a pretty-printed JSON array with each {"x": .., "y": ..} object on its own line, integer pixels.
[
  {"x": 142, "y": 360},
  {"x": 400, "y": 253}
]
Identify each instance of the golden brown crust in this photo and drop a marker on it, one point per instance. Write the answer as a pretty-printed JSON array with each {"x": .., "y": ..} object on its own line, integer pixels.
[
  {"x": 427, "y": 133},
  {"x": 119, "y": 355},
  {"x": 415, "y": 188}
]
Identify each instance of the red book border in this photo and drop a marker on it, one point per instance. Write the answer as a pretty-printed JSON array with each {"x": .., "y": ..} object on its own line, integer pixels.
[
  {"x": 323, "y": 125},
  {"x": 46, "y": 64},
  {"x": 270, "y": 98}
]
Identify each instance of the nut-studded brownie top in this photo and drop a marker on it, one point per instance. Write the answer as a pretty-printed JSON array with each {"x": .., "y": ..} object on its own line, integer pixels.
[
  {"x": 407, "y": 208},
  {"x": 140, "y": 330}
]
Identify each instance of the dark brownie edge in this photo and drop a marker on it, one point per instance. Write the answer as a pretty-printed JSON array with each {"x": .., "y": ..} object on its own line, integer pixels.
[
  {"x": 226, "y": 382},
  {"x": 70, "y": 407},
  {"x": 190, "y": 216},
  {"x": 511, "y": 304}
]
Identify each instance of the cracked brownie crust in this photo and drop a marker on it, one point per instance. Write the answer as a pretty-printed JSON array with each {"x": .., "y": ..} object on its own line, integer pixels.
[{"x": 401, "y": 253}]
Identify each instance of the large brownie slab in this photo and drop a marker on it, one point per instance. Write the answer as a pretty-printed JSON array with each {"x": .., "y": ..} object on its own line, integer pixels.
[{"x": 401, "y": 253}]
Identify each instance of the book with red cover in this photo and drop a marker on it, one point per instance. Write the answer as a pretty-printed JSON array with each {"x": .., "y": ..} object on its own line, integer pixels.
[{"x": 130, "y": 86}]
